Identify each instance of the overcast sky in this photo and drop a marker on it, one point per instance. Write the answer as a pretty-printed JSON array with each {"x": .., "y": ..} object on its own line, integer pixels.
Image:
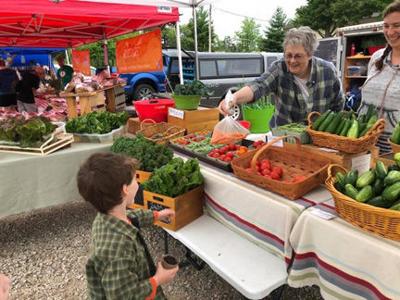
[{"x": 227, "y": 23}]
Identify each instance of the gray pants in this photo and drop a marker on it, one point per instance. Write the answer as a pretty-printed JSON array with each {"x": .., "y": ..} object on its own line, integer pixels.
[{"x": 28, "y": 107}]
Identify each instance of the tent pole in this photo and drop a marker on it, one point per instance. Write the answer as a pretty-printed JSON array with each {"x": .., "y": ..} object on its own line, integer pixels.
[
  {"x": 195, "y": 41},
  {"x": 105, "y": 54},
  {"x": 209, "y": 30},
  {"x": 178, "y": 46},
  {"x": 66, "y": 57}
]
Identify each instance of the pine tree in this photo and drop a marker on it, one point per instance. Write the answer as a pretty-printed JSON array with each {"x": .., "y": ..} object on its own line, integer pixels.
[{"x": 275, "y": 32}]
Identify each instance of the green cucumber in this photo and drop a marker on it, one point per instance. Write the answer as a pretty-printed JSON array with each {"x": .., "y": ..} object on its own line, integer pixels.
[
  {"x": 341, "y": 126},
  {"x": 320, "y": 120},
  {"x": 327, "y": 121},
  {"x": 395, "y": 138},
  {"x": 350, "y": 191},
  {"x": 378, "y": 202},
  {"x": 396, "y": 206},
  {"x": 391, "y": 193},
  {"x": 346, "y": 128},
  {"x": 380, "y": 169},
  {"x": 354, "y": 130},
  {"x": 392, "y": 177},
  {"x": 378, "y": 186},
  {"x": 340, "y": 179},
  {"x": 364, "y": 194},
  {"x": 365, "y": 179},
  {"x": 334, "y": 124},
  {"x": 393, "y": 168},
  {"x": 351, "y": 177}
]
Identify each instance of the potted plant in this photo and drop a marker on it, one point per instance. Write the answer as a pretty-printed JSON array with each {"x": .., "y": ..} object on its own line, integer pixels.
[
  {"x": 259, "y": 114},
  {"x": 188, "y": 95}
]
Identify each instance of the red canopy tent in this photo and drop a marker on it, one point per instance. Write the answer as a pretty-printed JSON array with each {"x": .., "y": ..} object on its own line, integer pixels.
[{"x": 70, "y": 23}]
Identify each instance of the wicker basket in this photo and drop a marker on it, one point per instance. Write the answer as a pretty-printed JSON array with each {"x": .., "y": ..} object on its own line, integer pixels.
[
  {"x": 381, "y": 221},
  {"x": 342, "y": 143},
  {"x": 292, "y": 160},
  {"x": 167, "y": 132},
  {"x": 395, "y": 147}
]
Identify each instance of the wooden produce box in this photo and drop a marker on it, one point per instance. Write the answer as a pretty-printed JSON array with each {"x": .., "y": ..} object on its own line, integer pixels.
[
  {"x": 133, "y": 125},
  {"x": 142, "y": 176},
  {"x": 115, "y": 98},
  {"x": 88, "y": 102},
  {"x": 187, "y": 207},
  {"x": 337, "y": 157},
  {"x": 194, "y": 120}
]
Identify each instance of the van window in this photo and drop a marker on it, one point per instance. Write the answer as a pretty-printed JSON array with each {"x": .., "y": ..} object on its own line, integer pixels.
[
  {"x": 270, "y": 60},
  {"x": 239, "y": 67},
  {"x": 208, "y": 68}
]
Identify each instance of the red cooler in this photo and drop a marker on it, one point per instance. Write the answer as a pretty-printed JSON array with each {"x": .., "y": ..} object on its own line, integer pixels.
[{"x": 155, "y": 109}]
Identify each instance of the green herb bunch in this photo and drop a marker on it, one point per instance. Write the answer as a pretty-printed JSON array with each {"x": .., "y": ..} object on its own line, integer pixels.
[
  {"x": 260, "y": 104},
  {"x": 150, "y": 155},
  {"x": 195, "y": 87},
  {"x": 176, "y": 178},
  {"x": 97, "y": 122}
]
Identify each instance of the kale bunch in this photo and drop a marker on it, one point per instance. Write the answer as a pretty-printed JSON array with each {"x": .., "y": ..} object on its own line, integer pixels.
[
  {"x": 175, "y": 178},
  {"x": 97, "y": 122},
  {"x": 150, "y": 155},
  {"x": 194, "y": 87}
]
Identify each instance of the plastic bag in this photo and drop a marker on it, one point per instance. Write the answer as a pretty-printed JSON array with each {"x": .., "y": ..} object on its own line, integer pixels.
[{"x": 228, "y": 131}]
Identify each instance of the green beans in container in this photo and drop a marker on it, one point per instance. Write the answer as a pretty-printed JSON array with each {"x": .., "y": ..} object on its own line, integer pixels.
[{"x": 293, "y": 129}]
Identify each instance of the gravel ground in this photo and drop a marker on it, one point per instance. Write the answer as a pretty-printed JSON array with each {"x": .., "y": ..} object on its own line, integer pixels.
[{"x": 45, "y": 251}]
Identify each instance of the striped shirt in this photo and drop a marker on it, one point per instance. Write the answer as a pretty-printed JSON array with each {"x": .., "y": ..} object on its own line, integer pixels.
[
  {"x": 324, "y": 91},
  {"x": 382, "y": 88}
]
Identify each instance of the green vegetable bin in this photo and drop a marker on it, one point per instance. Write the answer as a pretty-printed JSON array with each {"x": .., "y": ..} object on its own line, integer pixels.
[
  {"x": 259, "y": 118},
  {"x": 189, "y": 102}
]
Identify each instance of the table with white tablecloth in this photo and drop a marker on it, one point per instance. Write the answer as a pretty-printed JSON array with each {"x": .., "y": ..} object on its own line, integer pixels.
[
  {"x": 29, "y": 182},
  {"x": 343, "y": 260}
]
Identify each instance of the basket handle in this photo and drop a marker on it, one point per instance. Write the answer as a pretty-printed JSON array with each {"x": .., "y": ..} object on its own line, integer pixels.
[
  {"x": 310, "y": 115},
  {"x": 330, "y": 170},
  {"x": 146, "y": 121},
  {"x": 169, "y": 129},
  {"x": 378, "y": 126},
  {"x": 269, "y": 144}
]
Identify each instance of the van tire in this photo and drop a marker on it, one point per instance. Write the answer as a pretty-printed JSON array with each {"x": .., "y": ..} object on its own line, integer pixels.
[{"x": 143, "y": 91}]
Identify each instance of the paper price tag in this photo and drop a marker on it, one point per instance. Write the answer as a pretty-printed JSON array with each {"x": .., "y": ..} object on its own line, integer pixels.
[
  {"x": 362, "y": 163},
  {"x": 270, "y": 137},
  {"x": 173, "y": 112},
  {"x": 322, "y": 214}
]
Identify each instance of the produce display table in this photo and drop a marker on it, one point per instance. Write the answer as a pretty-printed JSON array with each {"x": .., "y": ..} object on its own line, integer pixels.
[
  {"x": 344, "y": 261},
  {"x": 30, "y": 182}
]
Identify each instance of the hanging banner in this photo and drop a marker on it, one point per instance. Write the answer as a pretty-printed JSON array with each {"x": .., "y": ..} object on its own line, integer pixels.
[
  {"x": 139, "y": 54},
  {"x": 81, "y": 61}
]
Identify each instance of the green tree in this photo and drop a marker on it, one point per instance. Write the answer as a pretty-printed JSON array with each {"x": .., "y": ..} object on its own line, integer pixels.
[
  {"x": 247, "y": 39},
  {"x": 275, "y": 33},
  {"x": 169, "y": 36},
  {"x": 324, "y": 16},
  {"x": 187, "y": 32},
  {"x": 226, "y": 45}
]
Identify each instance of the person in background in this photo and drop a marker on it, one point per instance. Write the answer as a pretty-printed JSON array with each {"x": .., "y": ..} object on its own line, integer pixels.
[
  {"x": 65, "y": 72},
  {"x": 301, "y": 82},
  {"x": 382, "y": 87},
  {"x": 120, "y": 266},
  {"x": 5, "y": 286},
  {"x": 26, "y": 89},
  {"x": 8, "y": 82}
]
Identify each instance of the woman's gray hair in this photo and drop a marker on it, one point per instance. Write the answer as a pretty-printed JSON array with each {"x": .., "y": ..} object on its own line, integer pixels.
[{"x": 304, "y": 36}]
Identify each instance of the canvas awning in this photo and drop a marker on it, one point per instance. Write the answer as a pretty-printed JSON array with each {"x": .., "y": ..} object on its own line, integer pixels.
[{"x": 71, "y": 23}]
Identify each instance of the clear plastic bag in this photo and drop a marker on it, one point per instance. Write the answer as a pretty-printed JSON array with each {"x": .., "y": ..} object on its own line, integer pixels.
[{"x": 228, "y": 131}]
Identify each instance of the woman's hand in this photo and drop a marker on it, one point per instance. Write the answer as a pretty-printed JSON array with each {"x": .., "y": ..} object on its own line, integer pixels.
[
  {"x": 166, "y": 214},
  {"x": 163, "y": 276},
  {"x": 223, "y": 109}
]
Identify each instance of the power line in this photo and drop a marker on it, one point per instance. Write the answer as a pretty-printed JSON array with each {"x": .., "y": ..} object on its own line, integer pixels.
[{"x": 239, "y": 15}]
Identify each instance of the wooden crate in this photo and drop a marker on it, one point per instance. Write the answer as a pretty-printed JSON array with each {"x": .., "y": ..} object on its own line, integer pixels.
[
  {"x": 88, "y": 102},
  {"x": 187, "y": 207},
  {"x": 115, "y": 98},
  {"x": 142, "y": 176},
  {"x": 194, "y": 120}
]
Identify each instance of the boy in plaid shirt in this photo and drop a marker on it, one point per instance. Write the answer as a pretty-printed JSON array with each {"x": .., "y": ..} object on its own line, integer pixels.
[{"x": 120, "y": 266}]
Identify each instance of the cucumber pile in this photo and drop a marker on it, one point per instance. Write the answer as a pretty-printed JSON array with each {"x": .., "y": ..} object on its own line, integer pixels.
[
  {"x": 378, "y": 187},
  {"x": 345, "y": 123},
  {"x": 395, "y": 138}
]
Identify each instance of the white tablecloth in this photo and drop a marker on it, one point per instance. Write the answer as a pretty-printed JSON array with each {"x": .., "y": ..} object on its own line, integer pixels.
[
  {"x": 346, "y": 262},
  {"x": 29, "y": 182}
]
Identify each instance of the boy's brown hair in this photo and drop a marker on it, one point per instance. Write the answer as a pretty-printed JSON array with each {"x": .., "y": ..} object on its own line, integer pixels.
[{"x": 101, "y": 178}]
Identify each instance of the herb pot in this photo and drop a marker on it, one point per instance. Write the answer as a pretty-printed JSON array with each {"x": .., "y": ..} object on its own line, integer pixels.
[{"x": 168, "y": 261}]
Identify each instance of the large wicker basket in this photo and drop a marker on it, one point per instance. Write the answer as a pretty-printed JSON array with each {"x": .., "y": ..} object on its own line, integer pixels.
[
  {"x": 395, "y": 147},
  {"x": 294, "y": 161},
  {"x": 165, "y": 131},
  {"x": 381, "y": 221},
  {"x": 342, "y": 143}
]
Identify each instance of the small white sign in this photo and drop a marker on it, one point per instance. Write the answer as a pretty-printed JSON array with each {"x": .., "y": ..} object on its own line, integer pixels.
[
  {"x": 328, "y": 150},
  {"x": 322, "y": 214},
  {"x": 177, "y": 113},
  {"x": 164, "y": 9},
  {"x": 362, "y": 163},
  {"x": 270, "y": 137}
]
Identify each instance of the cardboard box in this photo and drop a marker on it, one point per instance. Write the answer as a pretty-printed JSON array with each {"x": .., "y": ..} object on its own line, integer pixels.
[
  {"x": 194, "y": 120},
  {"x": 187, "y": 207}
]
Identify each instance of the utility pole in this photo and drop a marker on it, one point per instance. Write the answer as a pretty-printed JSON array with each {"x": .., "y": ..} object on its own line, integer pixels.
[{"x": 209, "y": 30}]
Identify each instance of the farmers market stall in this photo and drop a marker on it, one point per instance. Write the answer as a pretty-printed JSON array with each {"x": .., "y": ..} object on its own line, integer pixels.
[
  {"x": 344, "y": 261},
  {"x": 31, "y": 182}
]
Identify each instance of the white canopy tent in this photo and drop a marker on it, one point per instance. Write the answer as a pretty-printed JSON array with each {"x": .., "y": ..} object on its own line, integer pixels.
[{"x": 193, "y": 4}]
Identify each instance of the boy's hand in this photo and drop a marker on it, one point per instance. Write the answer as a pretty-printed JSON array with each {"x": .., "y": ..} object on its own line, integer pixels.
[
  {"x": 166, "y": 214},
  {"x": 163, "y": 276},
  {"x": 5, "y": 286}
]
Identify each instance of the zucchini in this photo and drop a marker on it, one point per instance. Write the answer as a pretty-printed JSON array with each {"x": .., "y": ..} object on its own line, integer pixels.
[
  {"x": 341, "y": 126},
  {"x": 346, "y": 128},
  {"x": 380, "y": 169},
  {"x": 334, "y": 124},
  {"x": 392, "y": 177},
  {"x": 364, "y": 194},
  {"x": 327, "y": 121},
  {"x": 351, "y": 191},
  {"x": 391, "y": 193},
  {"x": 378, "y": 202},
  {"x": 365, "y": 179},
  {"x": 320, "y": 120}
]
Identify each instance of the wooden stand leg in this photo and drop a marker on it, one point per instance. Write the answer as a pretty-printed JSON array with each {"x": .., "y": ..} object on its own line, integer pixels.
[
  {"x": 110, "y": 100},
  {"x": 85, "y": 105},
  {"x": 71, "y": 107}
]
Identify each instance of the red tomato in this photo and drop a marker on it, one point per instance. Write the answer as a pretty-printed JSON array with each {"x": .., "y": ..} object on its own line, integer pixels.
[
  {"x": 222, "y": 156},
  {"x": 216, "y": 155},
  {"x": 249, "y": 170},
  {"x": 275, "y": 176},
  {"x": 237, "y": 147},
  {"x": 265, "y": 165},
  {"x": 228, "y": 159},
  {"x": 266, "y": 172},
  {"x": 230, "y": 154},
  {"x": 278, "y": 170}
]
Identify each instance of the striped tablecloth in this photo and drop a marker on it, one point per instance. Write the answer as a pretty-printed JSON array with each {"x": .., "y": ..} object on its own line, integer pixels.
[
  {"x": 344, "y": 261},
  {"x": 259, "y": 215}
]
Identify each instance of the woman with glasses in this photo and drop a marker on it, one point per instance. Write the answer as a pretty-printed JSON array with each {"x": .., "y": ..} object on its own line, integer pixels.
[
  {"x": 382, "y": 87},
  {"x": 300, "y": 81}
]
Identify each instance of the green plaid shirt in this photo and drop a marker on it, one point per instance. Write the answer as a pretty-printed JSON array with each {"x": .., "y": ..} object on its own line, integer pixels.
[
  {"x": 324, "y": 90},
  {"x": 118, "y": 268}
]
